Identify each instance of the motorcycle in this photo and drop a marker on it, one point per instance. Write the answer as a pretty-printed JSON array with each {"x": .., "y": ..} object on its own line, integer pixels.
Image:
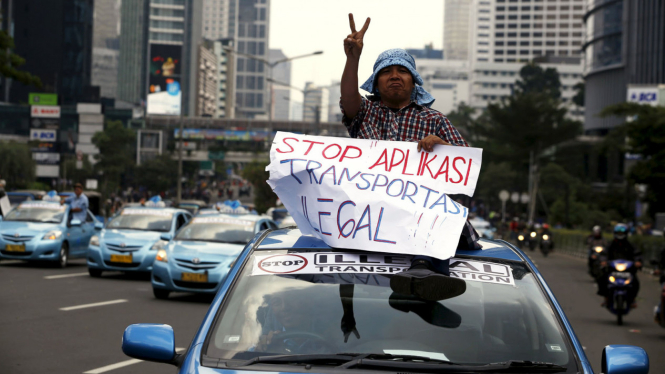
[
  {"x": 520, "y": 241},
  {"x": 546, "y": 244},
  {"x": 620, "y": 284},
  {"x": 533, "y": 240},
  {"x": 659, "y": 310},
  {"x": 593, "y": 260}
]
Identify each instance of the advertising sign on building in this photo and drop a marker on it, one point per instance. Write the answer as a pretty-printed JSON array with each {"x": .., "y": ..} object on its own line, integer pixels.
[
  {"x": 36, "y": 98},
  {"x": 45, "y": 111},
  {"x": 643, "y": 95},
  {"x": 42, "y": 158},
  {"x": 43, "y": 135},
  {"x": 164, "y": 92},
  {"x": 45, "y": 123}
]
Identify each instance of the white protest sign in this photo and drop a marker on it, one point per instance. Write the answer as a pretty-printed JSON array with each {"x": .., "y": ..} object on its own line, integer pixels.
[
  {"x": 374, "y": 195},
  {"x": 373, "y": 263}
]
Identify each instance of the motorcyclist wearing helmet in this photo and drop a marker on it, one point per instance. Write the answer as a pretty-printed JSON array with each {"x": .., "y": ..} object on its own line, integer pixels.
[
  {"x": 592, "y": 241},
  {"x": 619, "y": 249}
]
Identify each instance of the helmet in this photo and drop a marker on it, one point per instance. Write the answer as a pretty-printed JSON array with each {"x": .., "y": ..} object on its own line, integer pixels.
[
  {"x": 620, "y": 231},
  {"x": 596, "y": 229}
]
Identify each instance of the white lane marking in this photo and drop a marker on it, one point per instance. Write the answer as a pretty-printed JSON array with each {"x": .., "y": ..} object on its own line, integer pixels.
[
  {"x": 94, "y": 304},
  {"x": 65, "y": 275},
  {"x": 119, "y": 365}
]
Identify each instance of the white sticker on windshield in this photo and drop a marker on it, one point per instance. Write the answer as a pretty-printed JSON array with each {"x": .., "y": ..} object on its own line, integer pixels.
[
  {"x": 374, "y": 263},
  {"x": 146, "y": 212},
  {"x": 230, "y": 221}
]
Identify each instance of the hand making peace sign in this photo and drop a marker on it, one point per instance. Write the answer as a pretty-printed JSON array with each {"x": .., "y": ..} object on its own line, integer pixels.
[{"x": 353, "y": 44}]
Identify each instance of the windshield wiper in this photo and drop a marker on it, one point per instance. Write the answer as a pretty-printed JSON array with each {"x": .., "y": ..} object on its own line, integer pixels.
[
  {"x": 425, "y": 364},
  {"x": 300, "y": 359}
]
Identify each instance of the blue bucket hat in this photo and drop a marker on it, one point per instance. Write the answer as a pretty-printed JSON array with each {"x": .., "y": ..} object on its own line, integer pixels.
[{"x": 401, "y": 57}]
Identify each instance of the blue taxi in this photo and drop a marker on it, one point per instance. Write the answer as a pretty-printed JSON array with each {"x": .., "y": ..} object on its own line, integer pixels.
[
  {"x": 132, "y": 238},
  {"x": 43, "y": 230},
  {"x": 201, "y": 254},
  {"x": 292, "y": 304}
]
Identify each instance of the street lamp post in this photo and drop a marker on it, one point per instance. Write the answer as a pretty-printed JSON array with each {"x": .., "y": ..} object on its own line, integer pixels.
[{"x": 270, "y": 66}]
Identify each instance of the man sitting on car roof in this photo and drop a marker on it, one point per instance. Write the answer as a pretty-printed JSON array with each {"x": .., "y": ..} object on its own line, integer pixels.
[{"x": 399, "y": 110}]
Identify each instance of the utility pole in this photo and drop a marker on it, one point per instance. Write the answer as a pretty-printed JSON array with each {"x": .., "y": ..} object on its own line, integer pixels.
[{"x": 179, "y": 188}]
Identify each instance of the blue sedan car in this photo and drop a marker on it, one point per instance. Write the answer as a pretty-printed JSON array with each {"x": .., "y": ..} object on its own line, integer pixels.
[
  {"x": 44, "y": 231},
  {"x": 131, "y": 239},
  {"x": 291, "y": 304},
  {"x": 203, "y": 251}
]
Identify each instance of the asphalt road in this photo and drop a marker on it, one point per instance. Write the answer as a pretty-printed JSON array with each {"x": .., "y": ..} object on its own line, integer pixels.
[
  {"x": 37, "y": 335},
  {"x": 595, "y": 326}
]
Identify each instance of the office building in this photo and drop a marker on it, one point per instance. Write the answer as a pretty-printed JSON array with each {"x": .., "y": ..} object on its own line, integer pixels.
[
  {"x": 624, "y": 47},
  {"x": 105, "y": 46},
  {"x": 55, "y": 39},
  {"x": 315, "y": 104},
  {"x": 216, "y": 14},
  {"x": 447, "y": 80},
  {"x": 226, "y": 78},
  {"x": 457, "y": 29},
  {"x": 281, "y": 93},
  {"x": 249, "y": 23},
  {"x": 207, "y": 81},
  {"x": 159, "y": 53},
  {"x": 334, "y": 95}
]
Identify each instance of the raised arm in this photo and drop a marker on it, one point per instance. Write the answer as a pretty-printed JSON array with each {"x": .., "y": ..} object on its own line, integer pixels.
[{"x": 353, "y": 46}]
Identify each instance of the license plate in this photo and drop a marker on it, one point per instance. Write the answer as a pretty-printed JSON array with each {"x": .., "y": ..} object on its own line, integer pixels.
[
  {"x": 15, "y": 248},
  {"x": 617, "y": 274},
  {"x": 126, "y": 259},
  {"x": 195, "y": 277}
]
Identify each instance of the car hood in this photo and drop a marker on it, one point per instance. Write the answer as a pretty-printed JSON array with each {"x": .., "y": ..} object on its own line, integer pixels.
[
  {"x": 27, "y": 228},
  {"x": 205, "y": 251},
  {"x": 130, "y": 237}
]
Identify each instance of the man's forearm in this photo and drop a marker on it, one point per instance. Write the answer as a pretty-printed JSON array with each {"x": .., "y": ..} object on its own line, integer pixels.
[{"x": 349, "y": 88}]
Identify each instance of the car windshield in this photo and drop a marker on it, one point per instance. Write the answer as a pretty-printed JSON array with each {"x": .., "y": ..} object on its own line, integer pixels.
[
  {"x": 218, "y": 229},
  {"x": 14, "y": 200},
  {"x": 291, "y": 313},
  {"x": 142, "y": 219},
  {"x": 37, "y": 212}
]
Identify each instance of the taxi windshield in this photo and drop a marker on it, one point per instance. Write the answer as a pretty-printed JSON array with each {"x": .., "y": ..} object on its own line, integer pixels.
[
  {"x": 218, "y": 229},
  {"x": 142, "y": 219},
  {"x": 48, "y": 213},
  {"x": 353, "y": 313}
]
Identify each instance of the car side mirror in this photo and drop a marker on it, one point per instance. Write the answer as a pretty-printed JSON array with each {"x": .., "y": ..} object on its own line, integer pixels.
[
  {"x": 99, "y": 225},
  {"x": 624, "y": 359},
  {"x": 166, "y": 237},
  {"x": 75, "y": 222},
  {"x": 150, "y": 342}
]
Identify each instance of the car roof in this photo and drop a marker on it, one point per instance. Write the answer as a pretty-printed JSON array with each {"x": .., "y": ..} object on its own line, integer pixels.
[{"x": 292, "y": 238}]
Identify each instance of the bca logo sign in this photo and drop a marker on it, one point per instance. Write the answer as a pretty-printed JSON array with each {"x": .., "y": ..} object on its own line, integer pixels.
[
  {"x": 283, "y": 264},
  {"x": 643, "y": 96},
  {"x": 43, "y": 135}
]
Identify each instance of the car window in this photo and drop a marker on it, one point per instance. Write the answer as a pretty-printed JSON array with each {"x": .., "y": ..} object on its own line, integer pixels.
[
  {"x": 488, "y": 323},
  {"x": 142, "y": 219},
  {"x": 218, "y": 229},
  {"x": 89, "y": 217},
  {"x": 263, "y": 226},
  {"x": 181, "y": 220},
  {"x": 272, "y": 225}
]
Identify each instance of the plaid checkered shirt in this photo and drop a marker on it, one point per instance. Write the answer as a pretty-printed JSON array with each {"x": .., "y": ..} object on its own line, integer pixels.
[{"x": 409, "y": 124}]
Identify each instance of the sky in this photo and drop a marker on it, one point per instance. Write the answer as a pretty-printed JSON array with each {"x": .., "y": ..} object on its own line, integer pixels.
[{"x": 299, "y": 27}]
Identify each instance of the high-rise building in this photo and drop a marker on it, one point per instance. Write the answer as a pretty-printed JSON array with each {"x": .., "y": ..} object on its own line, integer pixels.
[
  {"x": 315, "y": 104},
  {"x": 207, "y": 81},
  {"x": 456, "y": 29},
  {"x": 447, "y": 80},
  {"x": 55, "y": 38},
  {"x": 216, "y": 18},
  {"x": 281, "y": 94},
  {"x": 334, "y": 95},
  {"x": 159, "y": 53},
  {"x": 105, "y": 46},
  {"x": 249, "y": 23},
  {"x": 226, "y": 79},
  {"x": 624, "y": 46}
]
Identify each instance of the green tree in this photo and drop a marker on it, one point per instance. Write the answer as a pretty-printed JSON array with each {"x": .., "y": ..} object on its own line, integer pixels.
[
  {"x": 535, "y": 79},
  {"x": 10, "y": 63},
  {"x": 644, "y": 135},
  {"x": 116, "y": 154},
  {"x": 578, "y": 99},
  {"x": 256, "y": 174},
  {"x": 17, "y": 167},
  {"x": 157, "y": 174}
]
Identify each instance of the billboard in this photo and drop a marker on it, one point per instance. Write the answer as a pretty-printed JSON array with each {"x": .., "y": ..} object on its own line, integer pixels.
[
  {"x": 217, "y": 134},
  {"x": 164, "y": 92},
  {"x": 45, "y": 111},
  {"x": 35, "y": 98},
  {"x": 43, "y": 135},
  {"x": 643, "y": 95}
]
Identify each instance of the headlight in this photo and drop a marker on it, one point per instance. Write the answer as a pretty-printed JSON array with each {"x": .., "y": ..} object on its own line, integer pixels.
[
  {"x": 533, "y": 234},
  {"x": 94, "y": 240},
  {"x": 161, "y": 256},
  {"x": 546, "y": 237},
  {"x": 620, "y": 267},
  {"x": 612, "y": 279},
  {"x": 521, "y": 237},
  {"x": 598, "y": 249},
  {"x": 52, "y": 235},
  {"x": 160, "y": 244}
]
